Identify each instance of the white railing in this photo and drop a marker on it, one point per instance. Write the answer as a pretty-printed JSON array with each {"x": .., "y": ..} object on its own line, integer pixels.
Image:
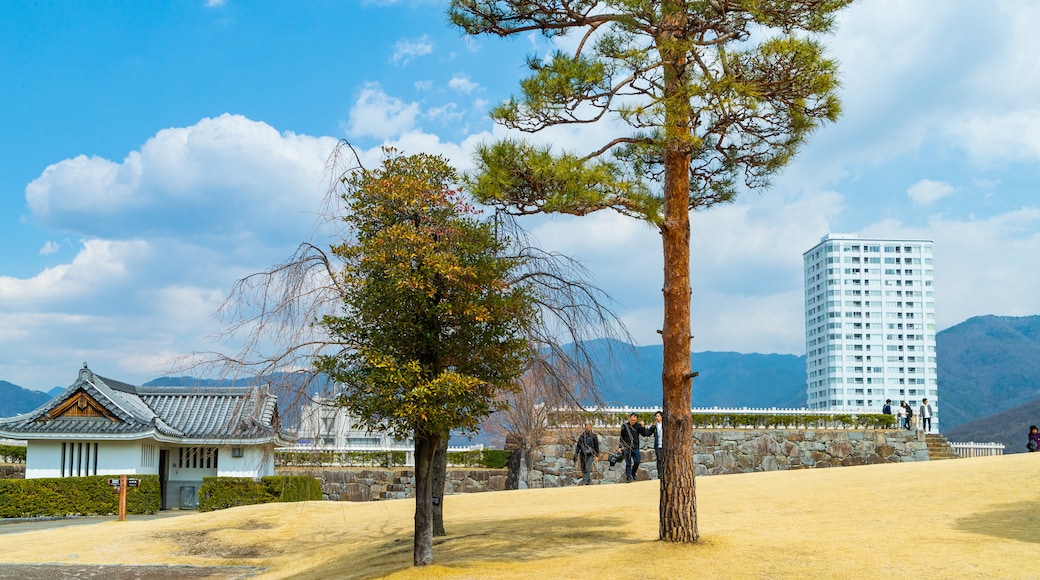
[
  {"x": 973, "y": 449},
  {"x": 744, "y": 410}
]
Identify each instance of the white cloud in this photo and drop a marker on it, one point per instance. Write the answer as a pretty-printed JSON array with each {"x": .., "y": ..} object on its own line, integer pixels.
[
  {"x": 406, "y": 50},
  {"x": 377, "y": 114},
  {"x": 215, "y": 3},
  {"x": 460, "y": 83},
  {"x": 49, "y": 248},
  {"x": 999, "y": 137},
  {"x": 216, "y": 179},
  {"x": 926, "y": 191}
]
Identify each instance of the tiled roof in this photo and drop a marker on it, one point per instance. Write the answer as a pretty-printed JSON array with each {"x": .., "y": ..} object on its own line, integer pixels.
[{"x": 212, "y": 413}]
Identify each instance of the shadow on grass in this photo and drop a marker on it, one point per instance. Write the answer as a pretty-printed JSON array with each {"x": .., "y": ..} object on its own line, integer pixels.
[
  {"x": 514, "y": 540},
  {"x": 1016, "y": 521}
]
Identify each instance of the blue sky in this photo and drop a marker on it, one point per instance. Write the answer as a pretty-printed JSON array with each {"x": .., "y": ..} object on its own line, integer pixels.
[{"x": 153, "y": 153}]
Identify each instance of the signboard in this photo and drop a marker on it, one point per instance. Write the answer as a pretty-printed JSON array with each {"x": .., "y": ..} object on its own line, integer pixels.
[{"x": 114, "y": 482}]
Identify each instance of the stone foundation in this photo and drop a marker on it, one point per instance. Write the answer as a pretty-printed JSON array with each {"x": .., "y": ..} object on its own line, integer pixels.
[
  {"x": 12, "y": 471},
  {"x": 360, "y": 484},
  {"x": 722, "y": 451}
]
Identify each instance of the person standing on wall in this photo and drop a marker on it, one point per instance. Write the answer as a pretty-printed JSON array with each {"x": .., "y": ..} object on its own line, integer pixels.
[
  {"x": 658, "y": 429},
  {"x": 629, "y": 446},
  {"x": 586, "y": 448},
  {"x": 926, "y": 416}
]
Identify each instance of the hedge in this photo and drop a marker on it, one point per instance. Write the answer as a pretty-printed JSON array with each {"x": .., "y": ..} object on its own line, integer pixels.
[
  {"x": 490, "y": 458},
  {"x": 13, "y": 451},
  {"x": 223, "y": 492},
  {"x": 75, "y": 496},
  {"x": 318, "y": 458}
]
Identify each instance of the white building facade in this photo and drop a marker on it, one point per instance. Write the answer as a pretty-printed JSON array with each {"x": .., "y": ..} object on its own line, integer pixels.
[{"x": 870, "y": 324}]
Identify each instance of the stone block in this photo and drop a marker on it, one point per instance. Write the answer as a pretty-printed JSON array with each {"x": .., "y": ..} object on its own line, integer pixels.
[
  {"x": 791, "y": 449},
  {"x": 769, "y": 463},
  {"x": 839, "y": 449},
  {"x": 763, "y": 445}
]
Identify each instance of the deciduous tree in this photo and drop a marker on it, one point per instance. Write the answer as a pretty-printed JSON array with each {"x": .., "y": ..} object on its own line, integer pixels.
[
  {"x": 711, "y": 96},
  {"x": 437, "y": 328}
]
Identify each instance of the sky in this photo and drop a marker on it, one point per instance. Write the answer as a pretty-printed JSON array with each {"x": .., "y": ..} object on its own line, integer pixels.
[{"x": 154, "y": 153}]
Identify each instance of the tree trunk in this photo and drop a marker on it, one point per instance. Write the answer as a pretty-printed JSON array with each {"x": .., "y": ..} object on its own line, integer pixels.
[
  {"x": 422, "y": 547},
  {"x": 678, "y": 507},
  {"x": 440, "y": 474}
]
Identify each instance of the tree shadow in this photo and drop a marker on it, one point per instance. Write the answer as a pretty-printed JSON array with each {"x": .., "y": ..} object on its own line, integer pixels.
[
  {"x": 1014, "y": 521},
  {"x": 513, "y": 540}
]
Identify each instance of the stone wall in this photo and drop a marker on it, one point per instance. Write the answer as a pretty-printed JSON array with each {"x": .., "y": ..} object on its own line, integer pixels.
[
  {"x": 715, "y": 452},
  {"x": 12, "y": 471},
  {"x": 721, "y": 451},
  {"x": 360, "y": 484}
]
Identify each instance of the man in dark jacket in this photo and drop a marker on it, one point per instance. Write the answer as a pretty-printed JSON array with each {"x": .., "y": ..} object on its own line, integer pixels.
[
  {"x": 629, "y": 447},
  {"x": 586, "y": 448}
]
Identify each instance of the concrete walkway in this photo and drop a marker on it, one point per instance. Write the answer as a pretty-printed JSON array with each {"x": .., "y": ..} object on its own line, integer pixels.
[{"x": 19, "y": 525}]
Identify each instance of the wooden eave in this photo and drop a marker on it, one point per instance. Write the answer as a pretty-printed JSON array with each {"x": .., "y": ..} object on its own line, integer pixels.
[{"x": 80, "y": 406}]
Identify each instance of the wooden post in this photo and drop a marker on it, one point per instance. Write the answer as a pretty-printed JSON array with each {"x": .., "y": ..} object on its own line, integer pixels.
[{"x": 122, "y": 498}]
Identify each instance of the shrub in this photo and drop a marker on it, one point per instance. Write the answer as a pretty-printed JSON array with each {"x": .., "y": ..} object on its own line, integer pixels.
[
  {"x": 494, "y": 458},
  {"x": 223, "y": 492},
  {"x": 81, "y": 496},
  {"x": 15, "y": 452}
]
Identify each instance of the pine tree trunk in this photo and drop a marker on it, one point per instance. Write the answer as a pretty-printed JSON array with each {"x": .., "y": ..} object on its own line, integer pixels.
[
  {"x": 678, "y": 507},
  {"x": 422, "y": 547},
  {"x": 440, "y": 474}
]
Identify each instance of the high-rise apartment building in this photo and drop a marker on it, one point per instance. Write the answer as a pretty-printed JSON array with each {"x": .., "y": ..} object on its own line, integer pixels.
[{"x": 870, "y": 324}]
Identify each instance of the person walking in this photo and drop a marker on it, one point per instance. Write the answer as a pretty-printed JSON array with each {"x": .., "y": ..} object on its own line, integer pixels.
[
  {"x": 887, "y": 409},
  {"x": 658, "y": 429},
  {"x": 586, "y": 448},
  {"x": 926, "y": 416},
  {"x": 629, "y": 446},
  {"x": 1034, "y": 439}
]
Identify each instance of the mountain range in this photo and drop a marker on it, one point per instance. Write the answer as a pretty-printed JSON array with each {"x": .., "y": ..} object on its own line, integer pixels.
[{"x": 987, "y": 365}]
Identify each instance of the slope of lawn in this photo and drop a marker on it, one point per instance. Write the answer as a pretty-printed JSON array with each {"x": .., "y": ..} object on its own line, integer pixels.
[{"x": 954, "y": 519}]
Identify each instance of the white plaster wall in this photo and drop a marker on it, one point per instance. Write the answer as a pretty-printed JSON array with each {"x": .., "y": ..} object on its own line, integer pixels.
[
  {"x": 43, "y": 459},
  {"x": 255, "y": 462},
  {"x": 118, "y": 457}
]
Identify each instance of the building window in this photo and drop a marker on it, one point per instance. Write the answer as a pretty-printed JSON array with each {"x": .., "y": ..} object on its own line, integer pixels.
[
  {"x": 79, "y": 459},
  {"x": 197, "y": 458}
]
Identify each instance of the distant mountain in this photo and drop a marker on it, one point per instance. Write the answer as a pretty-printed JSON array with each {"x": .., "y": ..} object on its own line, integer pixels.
[
  {"x": 987, "y": 364},
  {"x": 15, "y": 400},
  {"x": 630, "y": 375},
  {"x": 1008, "y": 427}
]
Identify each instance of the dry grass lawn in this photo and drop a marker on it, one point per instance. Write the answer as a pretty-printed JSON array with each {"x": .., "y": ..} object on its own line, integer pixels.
[{"x": 968, "y": 518}]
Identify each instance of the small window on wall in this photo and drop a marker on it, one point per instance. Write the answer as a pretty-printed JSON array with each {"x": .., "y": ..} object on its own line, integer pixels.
[
  {"x": 78, "y": 459},
  {"x": 197, "y": 457}
]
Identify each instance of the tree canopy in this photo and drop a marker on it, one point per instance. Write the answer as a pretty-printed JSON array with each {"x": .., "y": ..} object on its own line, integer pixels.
[
  {"x": 437, "y": 328},
  {"x": 707, "y": 96}
]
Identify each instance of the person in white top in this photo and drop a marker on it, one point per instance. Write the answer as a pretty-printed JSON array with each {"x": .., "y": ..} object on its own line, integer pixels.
[
  {"x": 659, "y": 442},
  {"x": 926, "y": 416}
]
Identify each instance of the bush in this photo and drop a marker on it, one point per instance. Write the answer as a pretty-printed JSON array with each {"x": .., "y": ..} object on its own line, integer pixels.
[
  {"x": 358, "y": 458},
  {"x": 15, "y": 452},
  {"x": 494, "y": 458},
  {"x": 80, "y": 496},
  {"x": 223, "y": 492}
]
